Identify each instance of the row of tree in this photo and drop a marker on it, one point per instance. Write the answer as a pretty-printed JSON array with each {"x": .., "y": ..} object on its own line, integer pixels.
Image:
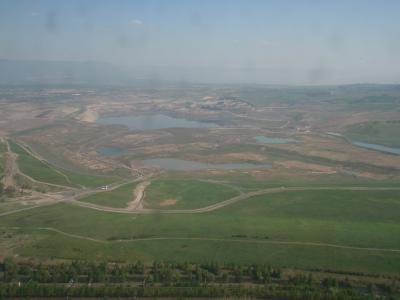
[
  {"x": 277, "y": 292},
  {"x": 159, "y": 272},
  {"x": 168, "y": 279}
]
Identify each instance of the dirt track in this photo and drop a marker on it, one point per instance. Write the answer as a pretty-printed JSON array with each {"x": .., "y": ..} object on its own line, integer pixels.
[
  {"x": 136, "y": 206},
  {"x": 137, "y": 202},
  {"x": 226, "y": 202},
  {"x": 245, "y": 241},
  {"x": 10, "y": 169}
]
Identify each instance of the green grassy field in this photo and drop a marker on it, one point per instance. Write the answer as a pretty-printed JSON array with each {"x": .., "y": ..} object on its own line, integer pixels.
[
  {"x": 244, "y": 232},
  {"x": 35, "y": 185},
  {"x": 12, "y": 205},
  {"x": 186, "y": 193},
  {"x": 56, "y": 159},
  {"x": 37, "y": 169},
  {"x": 44, "y": 172},
  {"x": 89, "y": 180},
  {"x": 48, "y": 247},
  {"x": 383, "y": 133},
  {"x": 246, "y": 182},
  {"x": 115, "y": 198}
]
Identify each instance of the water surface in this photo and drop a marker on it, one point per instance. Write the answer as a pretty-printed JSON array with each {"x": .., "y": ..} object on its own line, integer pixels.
[
  {"x": 377, "y": 147},
  {"x": 187, "y": 165},
  {"x": 110, "y": 151},
  {"x": 147, "y": 122},
  {"x": 274, "y": 140}
]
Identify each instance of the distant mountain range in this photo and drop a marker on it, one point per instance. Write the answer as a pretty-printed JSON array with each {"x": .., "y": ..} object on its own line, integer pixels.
[
  {"x": 100, "y": 73},
  {"x": 61, "y": 72}
]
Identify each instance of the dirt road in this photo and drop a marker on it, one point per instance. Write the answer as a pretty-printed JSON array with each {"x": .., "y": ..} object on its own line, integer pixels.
[
  {"x": 10, "y": 169},
  {"x": 136, "y": 206},
  {"x": 137, "y": 202},
  {"x": 233, "y": 240},
  {"x": 226, "y": 202}
]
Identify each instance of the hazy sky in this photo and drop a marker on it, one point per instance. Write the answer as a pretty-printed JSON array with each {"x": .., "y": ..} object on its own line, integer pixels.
[{"x": 303, "y": 41}]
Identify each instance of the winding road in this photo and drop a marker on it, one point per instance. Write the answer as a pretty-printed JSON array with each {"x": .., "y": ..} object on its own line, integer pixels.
[
  {"x": 222, "y": 204},
  {"x": 245, "y": 241},
  {"x": 136, "y": 207}
]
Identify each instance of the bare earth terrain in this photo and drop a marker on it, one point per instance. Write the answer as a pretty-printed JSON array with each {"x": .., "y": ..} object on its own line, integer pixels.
[{"x": 200, "y": 171}]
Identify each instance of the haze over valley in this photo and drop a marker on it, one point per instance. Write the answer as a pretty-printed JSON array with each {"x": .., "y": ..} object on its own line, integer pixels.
[{"x": 187, "y": 149}]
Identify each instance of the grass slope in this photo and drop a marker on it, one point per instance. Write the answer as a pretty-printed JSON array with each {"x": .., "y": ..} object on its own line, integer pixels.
[
  {"x": 37, "y": 169},
  {"x": 200, "y": 251},
  {"x": 89, "y": 180},
  {"x": 383, "y": 133},
  {"x": 186, "y": 193},
  {"x": 358, "y": 219},
  {"x": 44, "y": 172},
  {"x": 116, "y": 198}
]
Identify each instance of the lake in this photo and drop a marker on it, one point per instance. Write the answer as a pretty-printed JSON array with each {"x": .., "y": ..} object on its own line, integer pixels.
[
  {"x": 377, "y": 147},
  {"x": 148, "y": 122},
  {"x": 110, "y": 151},
  {"x": 274, "y": 140},
  {"x": 187, "y": 165}
]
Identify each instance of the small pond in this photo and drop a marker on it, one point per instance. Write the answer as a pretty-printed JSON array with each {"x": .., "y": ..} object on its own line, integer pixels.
[
  {"x": 377, "y": 147},
  {"x": 274, "y": 140},
  {"x": 111, "y": 151},
  {"x": 148, "y": 122}
]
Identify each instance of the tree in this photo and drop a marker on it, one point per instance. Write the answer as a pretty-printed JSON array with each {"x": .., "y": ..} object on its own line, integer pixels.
[
  {"x": 9, "y": 191},
  {"x": 139, "y": 267},
  {"x": 10, "y": 270}
]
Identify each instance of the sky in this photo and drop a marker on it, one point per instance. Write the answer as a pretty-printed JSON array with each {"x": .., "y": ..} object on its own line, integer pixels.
[{"x": 265, "y": 41}]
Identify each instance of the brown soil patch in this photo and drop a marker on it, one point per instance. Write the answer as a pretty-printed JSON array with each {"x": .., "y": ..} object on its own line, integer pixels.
[
  {"x": 168, "y": 202},
  {"x": 369, "y": 175},
  {"x": 140, "y": 138},
  {"x": 89, "y": 116},
  {"x": 89, "y": 160},
  {"x": 138, "y": 196},
  {"x": 246, "y": 156},
  {"x": 306, "y": 166},
  {"x": 341, "y": 150}
]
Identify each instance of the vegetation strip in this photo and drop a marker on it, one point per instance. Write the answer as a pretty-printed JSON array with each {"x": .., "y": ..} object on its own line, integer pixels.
[
  {"x": 164, "y": 279},
  {"x": 312, "y": 244}
]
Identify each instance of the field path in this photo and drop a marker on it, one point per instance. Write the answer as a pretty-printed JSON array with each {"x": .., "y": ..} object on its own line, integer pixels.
[
  {"x": 226, "y": 202},
  {"x": 244, "y": 241},
  {"x": 10, "y": 167},
  {"x": 42, "y": 159},
  {"x": 13, "y": 163},
  {"x": 63, "y": 196},
  {"x": 53, "y": 199}
]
